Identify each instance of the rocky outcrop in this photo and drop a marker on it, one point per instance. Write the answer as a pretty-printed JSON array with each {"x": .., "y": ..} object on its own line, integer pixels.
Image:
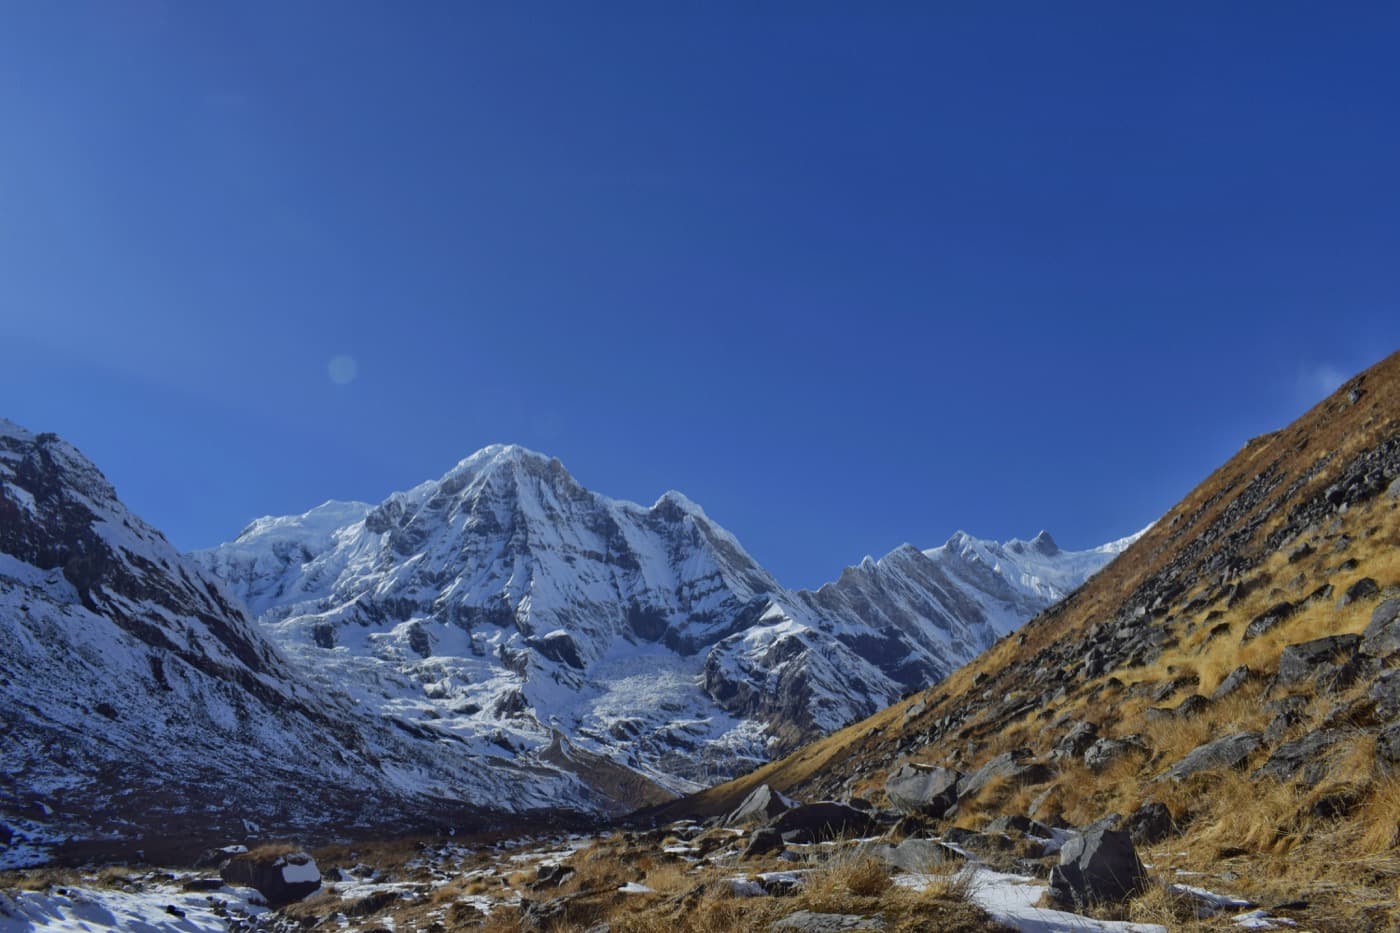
[
  {"x": 922, "y": 789},
  {"x": 280, "y": 877},
  {"x": 1099, "y": 866},
  {"x": 1231, "y": 751},
  {"x": 761, "y": 806}
]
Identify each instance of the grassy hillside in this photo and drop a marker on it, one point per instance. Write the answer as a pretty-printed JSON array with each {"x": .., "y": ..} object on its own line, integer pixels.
[{"x": 1261, "y": 556}]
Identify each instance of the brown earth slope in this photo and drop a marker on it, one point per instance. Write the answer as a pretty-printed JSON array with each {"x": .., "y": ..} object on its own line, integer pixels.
[{"x": 1208, "y": 627}]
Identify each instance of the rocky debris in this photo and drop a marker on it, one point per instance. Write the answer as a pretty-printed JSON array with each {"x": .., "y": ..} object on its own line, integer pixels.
[
  {"x": 922, "y": 789},
  {"x": 1232, "y": 682},
  {"x": 762, "y": 805},
  {"x": 1229, "y": 752},
  {"x": 825, "y": 820},
  {"x": 1331, "y": 656},
  {"x": 1099, "y": 866},
  {"x": 1382, "y": 637},
  {"x": 763, "y": 841},
  {"x": 281, "y": 878},
  {"x": 808, "y": 922},
  {"x": 1150, "y": 824},
  {"x": 1015, "y": 767},
  {"x": 1365, "y": 588},
  {"x": 1305, "y": 755}
]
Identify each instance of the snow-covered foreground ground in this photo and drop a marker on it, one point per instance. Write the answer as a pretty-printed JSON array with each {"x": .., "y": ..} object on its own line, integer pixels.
[
  {"x": 161, "y": 908},
  {"x": 1011, "y": 900}
]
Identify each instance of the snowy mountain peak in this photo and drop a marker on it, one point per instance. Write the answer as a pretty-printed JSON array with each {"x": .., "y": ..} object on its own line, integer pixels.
[{"x": 505, "y": 600}]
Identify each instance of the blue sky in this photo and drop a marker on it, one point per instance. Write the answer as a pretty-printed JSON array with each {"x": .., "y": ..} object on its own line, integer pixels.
[{"x": 848, "y": 276}]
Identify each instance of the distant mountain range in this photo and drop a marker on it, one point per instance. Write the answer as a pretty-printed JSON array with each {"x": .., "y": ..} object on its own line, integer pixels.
[
  {"x": 500, "y": 639},
  {"x": 506, "y": 599}
]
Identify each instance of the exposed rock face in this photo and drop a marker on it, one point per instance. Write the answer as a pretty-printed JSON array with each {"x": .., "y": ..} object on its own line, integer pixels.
[{"x": 1099, "y": 866}]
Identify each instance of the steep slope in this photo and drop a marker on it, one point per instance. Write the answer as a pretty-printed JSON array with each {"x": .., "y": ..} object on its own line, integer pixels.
[
  {"x": 504, "y": 600},
  {"x": 1261, "y": 611},
  {"x": 138, "y": 701}
]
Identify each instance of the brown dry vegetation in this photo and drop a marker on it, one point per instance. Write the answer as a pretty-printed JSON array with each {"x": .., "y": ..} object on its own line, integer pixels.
[{"x": 1272, "y": 837}]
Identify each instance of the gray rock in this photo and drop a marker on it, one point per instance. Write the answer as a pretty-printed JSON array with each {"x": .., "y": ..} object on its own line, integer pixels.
[
  {"x": 1270, "y": 618},
  {"x": 1097, "y": 867},
  {"x": 1365, "y": 588},
  {"x": 1150, "y": 823},
  {"x": 267, "y": 874},
  {"x": 1229, "y": 752},
  {"x": 1386, "y": 692},
  {"x": 1075, "y": 742},
  {"x": 916, "y": 855},
  {"x": 760, "y": 806},
  {"x": 1015, "y": 766},
  {"x": 1232, "y": 682},
  {"x": 1306, "y": 753},
  {"x": 810, "y": 922},
  {"x": 1382, "y": 637},
  {"x": 1193, "y": 705},
  {"x": 1301, "y": 663},
  {"x": 1106, "y": 751},
  {"x": 922, "y": 789},
  {"x": 763, "y": 841},
  {"x": 1388, "y": 744},
  {"x": 825, "y": 820}
]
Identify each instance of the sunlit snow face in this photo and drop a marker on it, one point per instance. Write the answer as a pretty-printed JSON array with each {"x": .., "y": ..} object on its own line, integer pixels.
[{"x": 343, "y": 369}]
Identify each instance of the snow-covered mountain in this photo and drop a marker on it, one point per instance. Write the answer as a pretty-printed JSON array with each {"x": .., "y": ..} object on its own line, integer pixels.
[
  {"x": 504, "y": 600},
  {"x": 138, "y": 700}
]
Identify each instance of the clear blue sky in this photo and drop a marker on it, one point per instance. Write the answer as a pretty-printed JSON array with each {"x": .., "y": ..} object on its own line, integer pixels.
[{"x": 847, "y": 277}]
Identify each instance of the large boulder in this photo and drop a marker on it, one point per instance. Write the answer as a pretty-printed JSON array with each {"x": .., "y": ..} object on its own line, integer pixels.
[
  {"x": 1382, "y": 637},
  {"x": 281, "y": 876},
  {"x": 923, "y": 789},
  {"x": 1098, "y": 866},
  {"x": 1229, "y": 752},
  {"x": 760, "y": 806},
  {"x": 825, "y": 820}
]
